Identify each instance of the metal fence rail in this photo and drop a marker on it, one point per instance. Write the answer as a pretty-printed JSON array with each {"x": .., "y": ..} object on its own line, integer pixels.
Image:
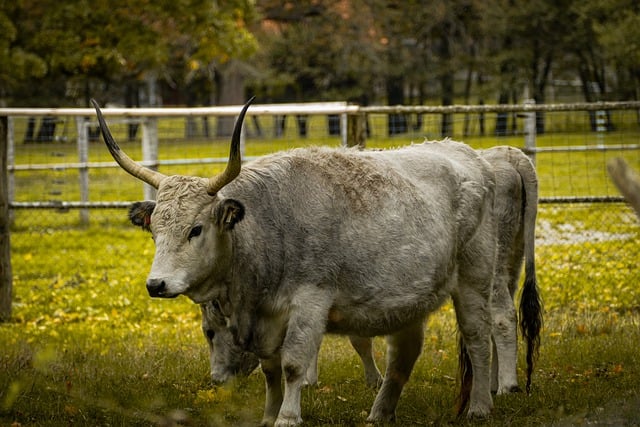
[{"x": 352, "y": 120}]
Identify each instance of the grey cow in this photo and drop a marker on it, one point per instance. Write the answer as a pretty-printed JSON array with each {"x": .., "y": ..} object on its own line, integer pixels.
[
  {"x": 226, "y": 358},
  {"x": 515, "y": 210},
  {"x": 316, "y": 240}
]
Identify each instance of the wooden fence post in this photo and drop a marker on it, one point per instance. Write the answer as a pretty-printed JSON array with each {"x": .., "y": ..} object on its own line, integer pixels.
[
  {"x": 357, "y": 130},
  {"x": 6, "y": 281},
  {"x": 150, "y": 151},
  {"x": 83, "y": 171},
  {"x": 530, "y": 131}
]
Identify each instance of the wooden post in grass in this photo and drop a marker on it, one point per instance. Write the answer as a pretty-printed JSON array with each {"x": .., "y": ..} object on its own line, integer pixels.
[
  {"x": 357, "y": 130},
  {"x": 627, "y": 181},
  {"x": 6, "y": 282},
  {"x": 150, "y": 151}
]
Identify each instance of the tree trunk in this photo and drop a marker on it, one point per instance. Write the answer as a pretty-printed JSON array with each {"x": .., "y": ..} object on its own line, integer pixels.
[
  {"x": 502, "y": 119},
  {"x": 626, "y": 180},
  {"x": 446, "y": 128},
  {"x": 6, "y": 281},
  {"x": 131, "y": 100},
  {"x": 230, "y": 92},
  {"x": 446, "y": 78},
  {"x": 47, "y": 130},
  {"x": 31, "y": 130},
  {"x": 467, "y": 100},
  {"x": 397, "y": 123},
  {"x": 154, "y": 99}
]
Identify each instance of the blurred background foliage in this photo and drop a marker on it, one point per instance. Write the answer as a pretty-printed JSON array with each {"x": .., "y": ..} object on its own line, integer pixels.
[{"x": 205, "y": 52}]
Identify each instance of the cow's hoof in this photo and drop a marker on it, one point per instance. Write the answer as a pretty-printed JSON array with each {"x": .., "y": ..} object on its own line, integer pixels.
[
  {"x": 381, "y": 418},
  {"x": 288, "y": 420},
  {"x": 507, "y": 390},
  {"x": 478, "y": 411},
  {"x": 513, "y": 389},
  {"x": 310, "y": 382},
  {"x": 267, "y": 422}
]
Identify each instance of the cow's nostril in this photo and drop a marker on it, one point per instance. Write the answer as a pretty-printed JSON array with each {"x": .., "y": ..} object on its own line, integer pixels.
[{"x": 156, "y": 287}]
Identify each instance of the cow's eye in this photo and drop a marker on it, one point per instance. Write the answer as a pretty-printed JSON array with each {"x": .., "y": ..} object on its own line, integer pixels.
[
  {"x": 210, "y": 334},
  {"x": 195, "y": 231}
]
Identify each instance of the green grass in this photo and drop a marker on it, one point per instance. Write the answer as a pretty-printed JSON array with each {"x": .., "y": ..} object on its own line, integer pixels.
[{"x": 87, "y": 346}]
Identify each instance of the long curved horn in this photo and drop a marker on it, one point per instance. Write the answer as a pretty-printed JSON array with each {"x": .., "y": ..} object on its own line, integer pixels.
[
  {"x": 147, "y": 175},
  {"x": 234, "y": 164}
]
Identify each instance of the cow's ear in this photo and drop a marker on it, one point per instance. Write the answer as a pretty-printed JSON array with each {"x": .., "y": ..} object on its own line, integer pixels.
[
  {"x": 140, "y": 214},
  {"x": 229, "y": 212}
]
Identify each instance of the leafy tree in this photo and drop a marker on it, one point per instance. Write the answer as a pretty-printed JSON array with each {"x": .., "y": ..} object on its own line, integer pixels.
[
  {"x": 318, "y": 49},
  {"x": 610, "y": 31},
  {"x": 96, "y": 44},
  {"x": 524, "y": 41},
  {"x": 426, "y": 44},
  {"x": 17, "y": 64}
]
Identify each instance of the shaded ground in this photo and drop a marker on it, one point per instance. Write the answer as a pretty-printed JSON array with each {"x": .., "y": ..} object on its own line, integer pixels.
[{"x": 617, "y": 412}]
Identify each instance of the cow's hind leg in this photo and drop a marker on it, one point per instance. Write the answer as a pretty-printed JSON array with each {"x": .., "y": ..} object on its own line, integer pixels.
[
  {"x": 505, "y": 341},
  {"x": 403, "y": 349},
  {"x": 364, "y": 348},
  {"x": 474, "y": 320}
]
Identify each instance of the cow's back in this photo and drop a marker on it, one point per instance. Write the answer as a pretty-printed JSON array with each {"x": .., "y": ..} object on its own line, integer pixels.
[{"x": 475, "y": 180}]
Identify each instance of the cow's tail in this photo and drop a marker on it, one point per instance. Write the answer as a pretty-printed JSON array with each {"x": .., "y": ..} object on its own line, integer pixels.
[
  {"x": 465, "y": 374},
  {"x": 530, "y": 301}
]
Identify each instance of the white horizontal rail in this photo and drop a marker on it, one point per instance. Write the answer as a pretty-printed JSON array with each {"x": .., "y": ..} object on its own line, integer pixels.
[
  {"x": 319, "y": 108},
  {"x": 499, "y": 108},
  {"x": 63, "y": 205},
  {"x": 581, "y": 148},
  {"x": 106, "y": 165}
]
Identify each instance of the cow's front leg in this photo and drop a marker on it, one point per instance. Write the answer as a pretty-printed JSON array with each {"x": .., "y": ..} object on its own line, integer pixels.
[
  {"x": 311, "y": 376},
  {"x": 273, "y": 381},
  {"x": 403, "y": 349},
  {"x": 305, "y": 328}
]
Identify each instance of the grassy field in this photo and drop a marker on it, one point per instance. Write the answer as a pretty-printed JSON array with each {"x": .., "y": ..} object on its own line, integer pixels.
[{"x": 88, "y": 347}]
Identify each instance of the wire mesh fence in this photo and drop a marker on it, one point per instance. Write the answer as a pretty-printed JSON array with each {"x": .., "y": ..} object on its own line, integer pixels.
[{"x": 63, "y": 193}]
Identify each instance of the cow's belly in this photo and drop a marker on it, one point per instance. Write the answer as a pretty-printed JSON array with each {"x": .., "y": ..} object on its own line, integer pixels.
[{"x": 384, "y": 312}]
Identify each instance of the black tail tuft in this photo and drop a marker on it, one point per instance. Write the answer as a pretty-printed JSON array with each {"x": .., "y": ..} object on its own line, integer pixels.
[
  {"x": 530, "y": 319},
  {"x": 465, "y": 374}
]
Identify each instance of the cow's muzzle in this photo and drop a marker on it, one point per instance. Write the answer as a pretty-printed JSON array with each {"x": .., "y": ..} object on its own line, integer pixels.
[{"x": 157, "y": 288}]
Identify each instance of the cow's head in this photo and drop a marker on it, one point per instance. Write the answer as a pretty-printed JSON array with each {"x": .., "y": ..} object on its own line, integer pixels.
[
  {"x": 226, "y": 358},
  {"x": 189, "y": 221}
]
